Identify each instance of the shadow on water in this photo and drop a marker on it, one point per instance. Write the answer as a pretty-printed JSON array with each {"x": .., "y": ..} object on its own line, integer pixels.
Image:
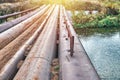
[
  {"x": 92, "y": 31},
  {"x": 103, "y": 47}
]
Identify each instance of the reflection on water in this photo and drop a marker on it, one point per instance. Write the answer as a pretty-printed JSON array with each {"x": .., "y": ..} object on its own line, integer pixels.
[{"x": 103, "y": 48}]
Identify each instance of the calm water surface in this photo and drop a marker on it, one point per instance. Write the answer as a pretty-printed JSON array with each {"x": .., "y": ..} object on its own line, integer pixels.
[{"x": 103, "y": 48}]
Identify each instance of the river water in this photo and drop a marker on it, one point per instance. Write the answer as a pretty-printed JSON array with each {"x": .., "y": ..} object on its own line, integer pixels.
[{"x": 103, "y": 47}]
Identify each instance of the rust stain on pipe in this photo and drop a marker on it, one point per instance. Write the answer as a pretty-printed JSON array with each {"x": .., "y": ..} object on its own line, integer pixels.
[
  {"x": 10, "y": 68},
  {"x": 10, "y": 34},
  {"x": 37, "y": 63}
]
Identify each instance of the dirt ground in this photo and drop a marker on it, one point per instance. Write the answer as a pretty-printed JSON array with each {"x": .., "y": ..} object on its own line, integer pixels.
[{"x": 55, "y": 69}]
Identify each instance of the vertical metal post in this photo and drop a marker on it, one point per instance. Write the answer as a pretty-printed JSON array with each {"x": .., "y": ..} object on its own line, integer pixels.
[{"x": 71, "y": 45}]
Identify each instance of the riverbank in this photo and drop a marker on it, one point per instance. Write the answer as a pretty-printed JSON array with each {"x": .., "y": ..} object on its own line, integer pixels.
[
  {"x": 96, "y": 20},
  {"x": 92, "y": 31}
]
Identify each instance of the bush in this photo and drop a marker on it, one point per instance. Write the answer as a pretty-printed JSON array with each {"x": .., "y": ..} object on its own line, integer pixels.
[
  {"x": 109, "y": 22},
  {"x": 82, "y": 18}
]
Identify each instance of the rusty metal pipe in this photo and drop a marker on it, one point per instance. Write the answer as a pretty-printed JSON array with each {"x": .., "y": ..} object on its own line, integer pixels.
[
  {"x": 79, "y": 66},
  {"x": 10, "y": 68},
  {"x": 9, "y": 50},
  {"x": 14, "y": 22},
  {"x": 37, "y": 63},
  {"x": 15, "y": 31},
  {"x": 17, "y": 13}
]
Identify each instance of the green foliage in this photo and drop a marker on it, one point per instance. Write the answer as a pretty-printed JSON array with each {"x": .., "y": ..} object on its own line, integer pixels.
[
  {"x": 109, "y": 14},
  {"x": 109, "y": 22},
  {"x": 99, "y": 21}
]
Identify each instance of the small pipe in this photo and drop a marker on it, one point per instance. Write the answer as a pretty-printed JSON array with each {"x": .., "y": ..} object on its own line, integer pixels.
[
  {"x": 7, "y": 25},
  {"x": 17, "y": 13}
]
